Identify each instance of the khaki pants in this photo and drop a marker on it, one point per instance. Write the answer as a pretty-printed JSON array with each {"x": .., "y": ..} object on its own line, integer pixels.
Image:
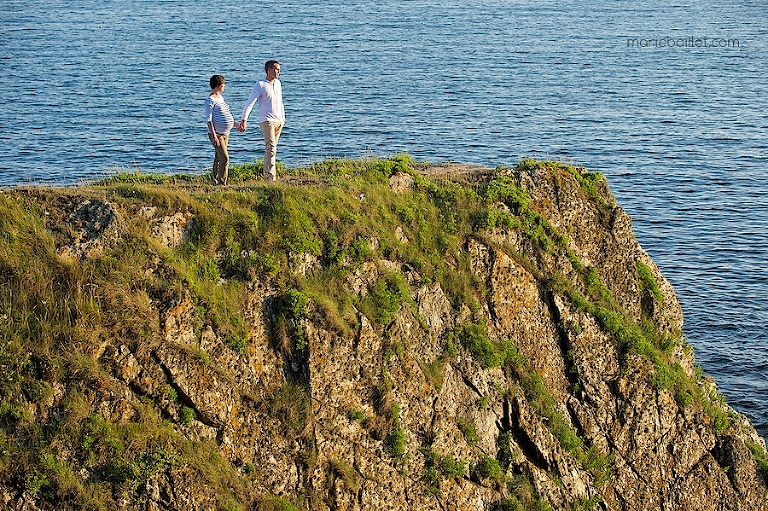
[
  {"x": 271, "y": 132},
  {"x": 220, "y": 161}
]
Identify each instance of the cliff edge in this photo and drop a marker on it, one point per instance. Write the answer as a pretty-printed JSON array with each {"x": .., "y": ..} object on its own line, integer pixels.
[{"x": 364, "y": 335}]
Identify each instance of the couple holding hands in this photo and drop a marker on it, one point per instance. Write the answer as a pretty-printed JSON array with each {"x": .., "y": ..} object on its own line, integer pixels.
[{"x": 268, "y": 92}]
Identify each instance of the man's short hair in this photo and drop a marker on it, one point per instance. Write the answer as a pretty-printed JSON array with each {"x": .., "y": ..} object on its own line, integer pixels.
[
  {"x": 216, "y": 80},
  {"x": 270, "y": 64}
]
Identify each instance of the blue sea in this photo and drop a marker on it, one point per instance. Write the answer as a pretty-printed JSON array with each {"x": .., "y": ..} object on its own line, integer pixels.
[{"x": 669, "y": 101}]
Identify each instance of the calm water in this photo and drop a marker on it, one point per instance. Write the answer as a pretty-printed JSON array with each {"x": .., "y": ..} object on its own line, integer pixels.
[{"x": 679, "y": 129}]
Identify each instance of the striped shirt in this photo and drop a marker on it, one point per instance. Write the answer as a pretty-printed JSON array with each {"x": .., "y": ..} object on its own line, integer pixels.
[{"x": 217, "y": 111}]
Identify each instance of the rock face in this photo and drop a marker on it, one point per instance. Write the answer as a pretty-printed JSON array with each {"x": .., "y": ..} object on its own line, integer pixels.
[{"x": 404, "y": 414}]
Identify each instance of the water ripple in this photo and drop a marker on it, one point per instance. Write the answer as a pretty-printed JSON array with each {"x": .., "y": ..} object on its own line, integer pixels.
[{"x": 680, "y": 133}]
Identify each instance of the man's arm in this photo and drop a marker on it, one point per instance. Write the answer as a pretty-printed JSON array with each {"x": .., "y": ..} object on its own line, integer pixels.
[{"x": 255, "y": 93}]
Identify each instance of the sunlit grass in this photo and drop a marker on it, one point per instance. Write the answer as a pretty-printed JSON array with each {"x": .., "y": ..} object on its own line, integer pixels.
[{"x": 338, "y": 216}]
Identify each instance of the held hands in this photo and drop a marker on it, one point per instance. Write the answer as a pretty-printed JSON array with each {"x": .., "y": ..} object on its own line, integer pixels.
[{"x": 242, "y": 125}]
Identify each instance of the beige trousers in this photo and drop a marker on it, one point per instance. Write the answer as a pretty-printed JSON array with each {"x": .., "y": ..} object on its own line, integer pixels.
[
  {"x": 220, "y": 170},
  {"x": 271, "y": 132}
]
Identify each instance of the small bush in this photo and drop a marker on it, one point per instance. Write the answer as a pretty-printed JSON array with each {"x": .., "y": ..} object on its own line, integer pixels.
[
  {"x": 588, "y": 504},
  {"x": 207, "y": 269},
  {"x": 474, "y": 337},
  {"x": 600, "y": 465},
  {"x": 511, "y": 504},
  {"x": 489, "y": 468},
  {"x": 434, "y": 371},
  {"x": 277, "y": 504},
  {"x": 385, "y": 298},
  {"x": 187, "y": 415},
  {"x": 505, "y": 454},
  {"x": 291, "y": 406},
  {"x": 237, "y": 342},
  {"x": 292, "y": 308},
  {"x": 129, "y": 474},
  {"x": 452, "y": 468},
  {"x": 360, "y": 250},
  {"x": 395, "y": 442},
  {"x": 488, "y": 353},
  {"x": 469, "y": 430},
  {"x": 760, "y": 455},
  {"x": 37, "y": 391},
  {"x": 356, "y": 415},
  {"x": 346, "y": 472},
  {"x": 648, "y": 281},
  {"x": 438, "y": 467}
]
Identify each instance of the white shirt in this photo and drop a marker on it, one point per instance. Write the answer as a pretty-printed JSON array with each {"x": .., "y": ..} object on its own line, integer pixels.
[{"x": 270, "y": 98}]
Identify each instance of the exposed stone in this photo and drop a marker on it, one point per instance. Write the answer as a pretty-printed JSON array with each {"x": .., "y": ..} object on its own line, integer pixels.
[
  {"x": 401, "y": 236},
  {"x": 303, "y": 263},
  {"x": 401, "y": 182},
  {"x": 171, "y": 231},
  {"x": 326, "y": 421},
  {"x": 97, "y": 226}
]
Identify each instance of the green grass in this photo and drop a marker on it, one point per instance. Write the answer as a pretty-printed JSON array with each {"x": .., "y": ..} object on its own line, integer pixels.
[
  {"x": 385, "y": 298},
  {"x": 468, "y": 430},
  {"x": 395, "y": 442},
  {"x": 489, "y": 468},
  {"x": 341, "y": 216},
  {"x": 272, "y": 503},
  {"x": 648, "y": 281},
  {"x": 761, "y": 458},
  {"x": 439, "y": 467}
]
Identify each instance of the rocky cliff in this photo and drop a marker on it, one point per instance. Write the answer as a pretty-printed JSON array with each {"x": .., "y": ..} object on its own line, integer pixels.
[{"x": 362, "y": 336}]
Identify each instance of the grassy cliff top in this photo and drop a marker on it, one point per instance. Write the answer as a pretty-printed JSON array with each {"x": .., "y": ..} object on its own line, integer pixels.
[{"x": 91, "y": 268}]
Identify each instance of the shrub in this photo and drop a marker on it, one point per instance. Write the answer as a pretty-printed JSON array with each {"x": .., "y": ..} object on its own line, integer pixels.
[
  {"x": 588, "y": 504},
  {"x": 489, "y": 468},
  {"x": 346, "y": 472},
  {"x": 290, "y": 404},
  {"x": 385, "y": 298},
  {"x": 474, "y": 337},
  {"x": 360, "y": 250},
  {"x": 356, "y": 415},
  {"x": 511, "y": 504},
  {"x": 395, "y": 442},
  {"x": 438, "y": 467},
  {"x": 207, "y": 269},
  {"x": 469, "y": 430},
  {"x": 129, "y": 474},
  {"x": 760, "y": 455},
  {"x": 292, "y": 308},
  {"x": 187, "y": 415},
  {"x": 237, "y": 342},
  {"x": 277, "y": 504},
  {"x": 434, "y": 371},
  {"x": 647, "y": 280},
  {"x": 488, "y": 353}
]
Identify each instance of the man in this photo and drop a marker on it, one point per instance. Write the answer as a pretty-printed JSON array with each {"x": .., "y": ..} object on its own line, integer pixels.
[{"x": 269, "y": 93}]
